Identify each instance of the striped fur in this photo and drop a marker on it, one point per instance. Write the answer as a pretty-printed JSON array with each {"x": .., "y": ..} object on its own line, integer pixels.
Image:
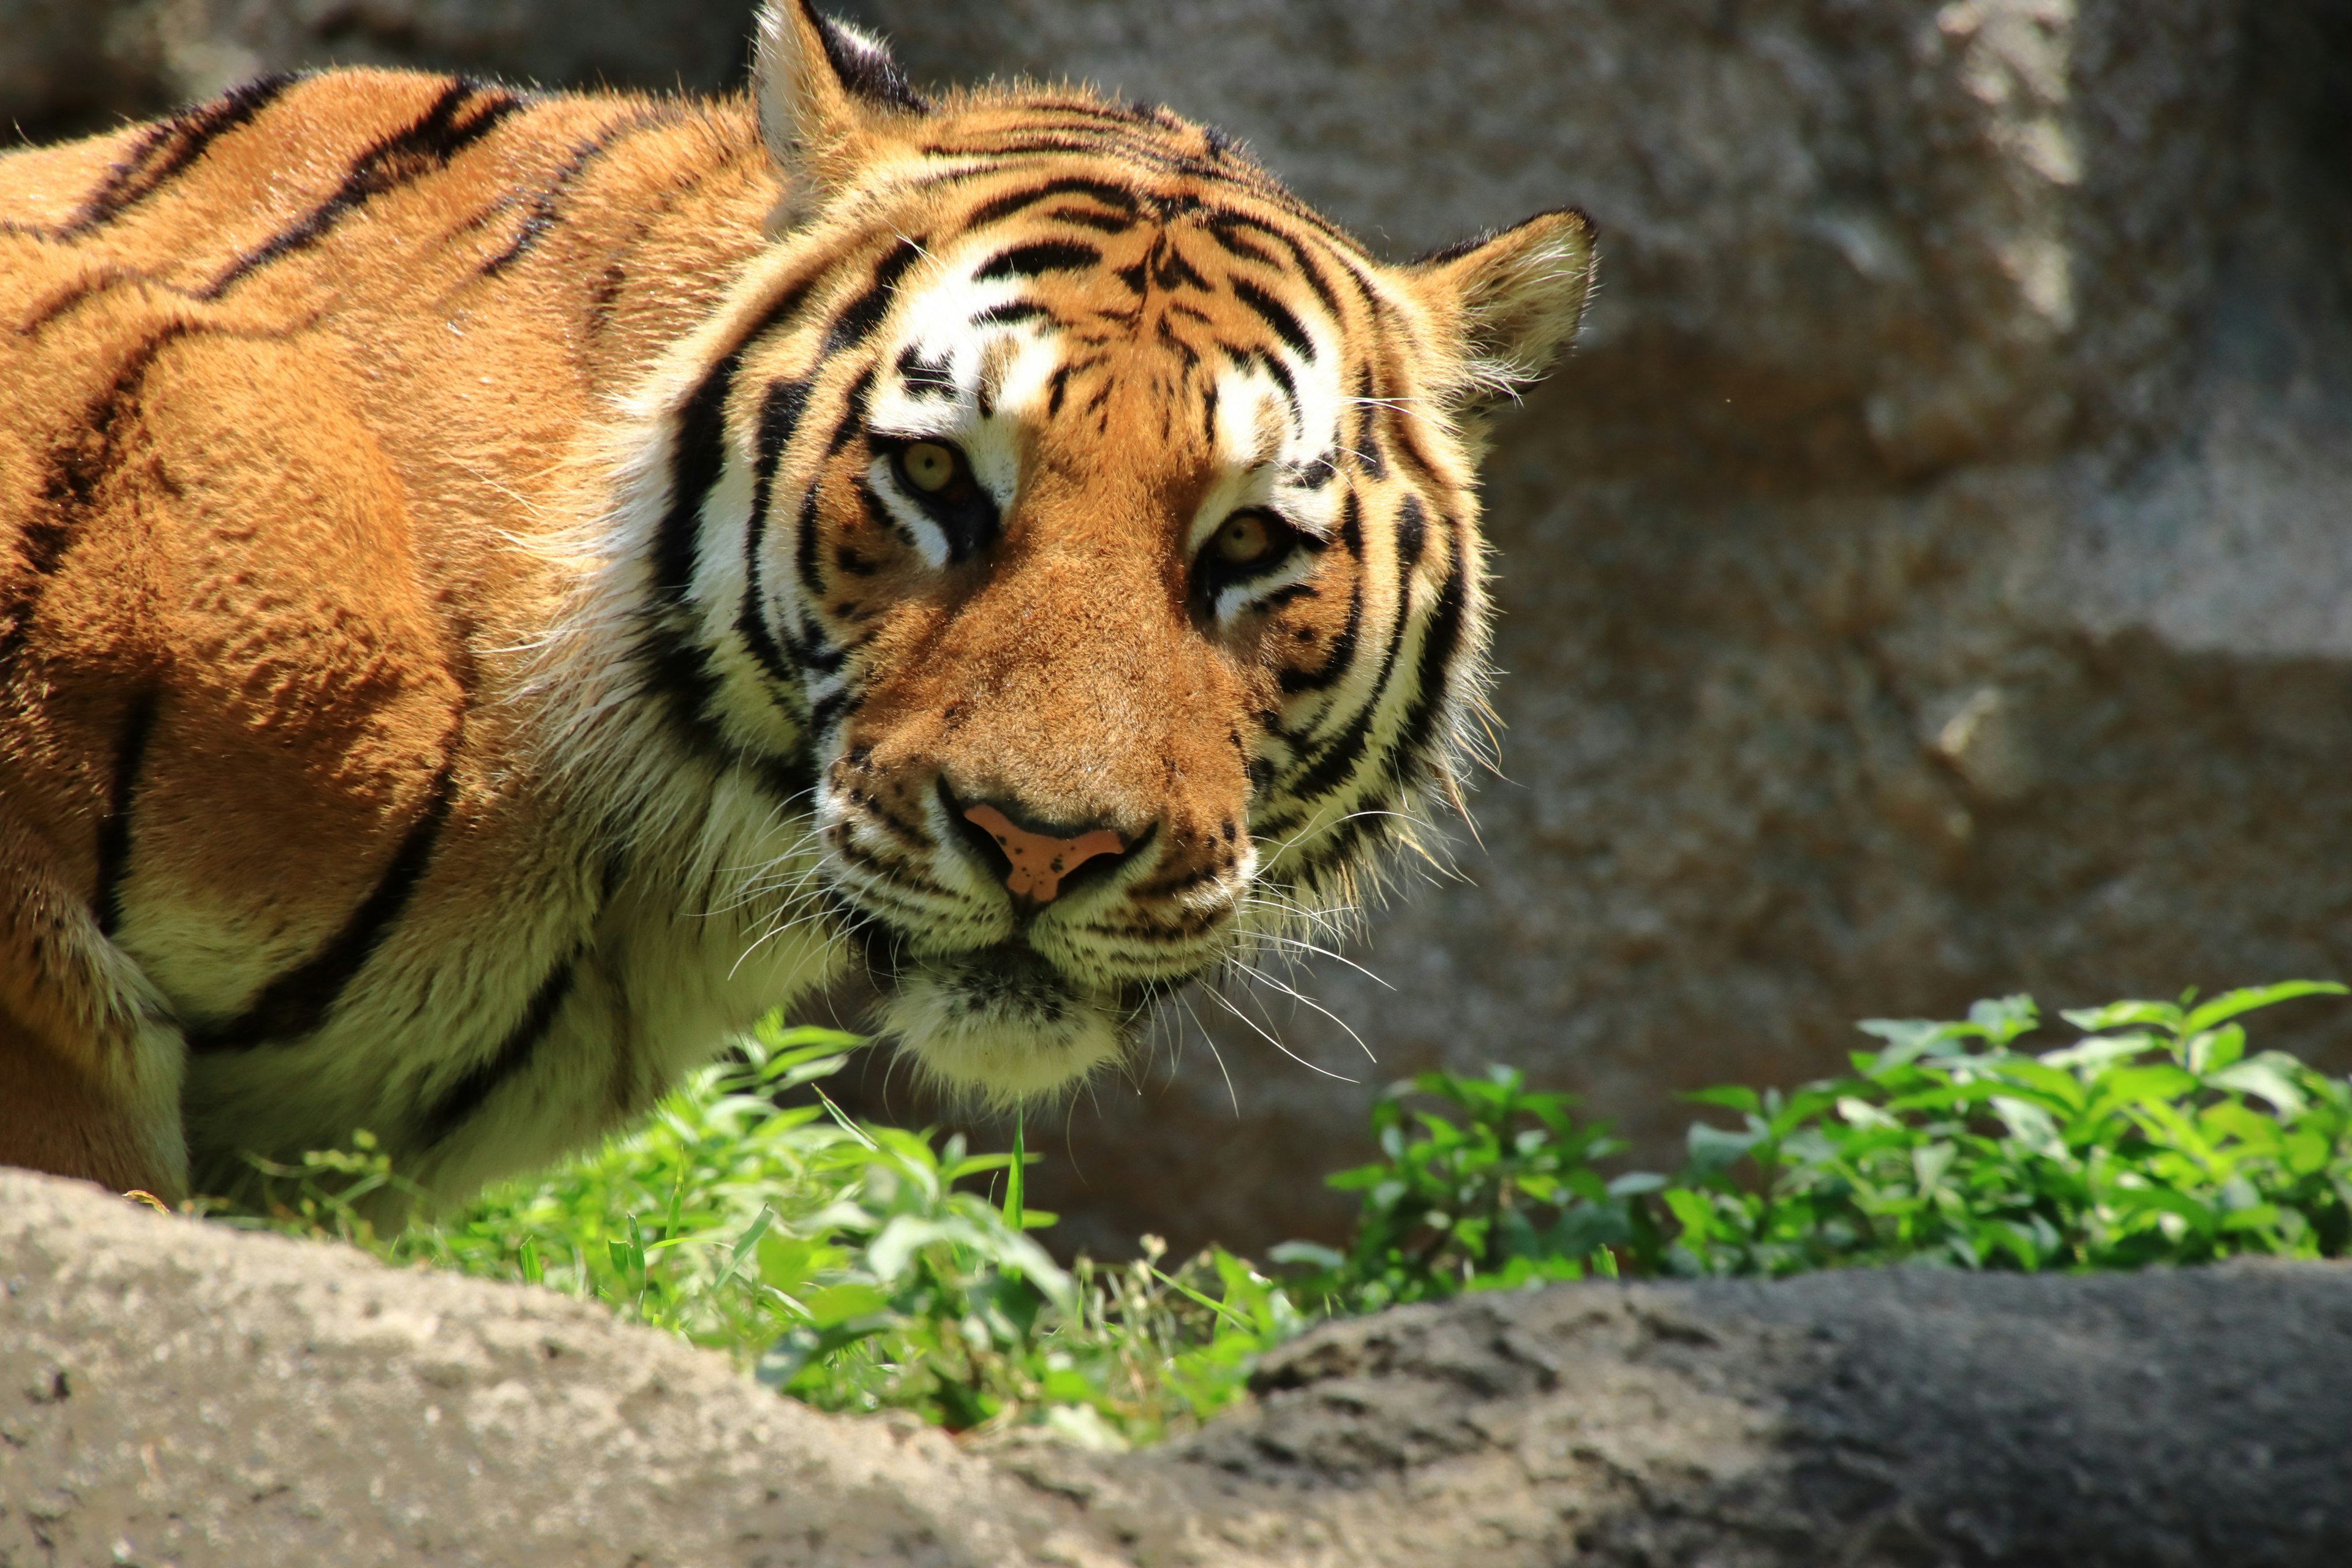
[{"x": 469, "y": 642}]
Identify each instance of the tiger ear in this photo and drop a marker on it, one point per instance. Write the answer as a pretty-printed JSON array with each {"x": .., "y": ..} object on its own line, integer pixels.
[
  {"x": 1520, "y": 295},
  {"x": 819, "y": 84}
]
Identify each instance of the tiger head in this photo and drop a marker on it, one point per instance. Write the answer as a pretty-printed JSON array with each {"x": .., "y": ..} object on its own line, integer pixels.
[{"x": 1100, "y": 536}]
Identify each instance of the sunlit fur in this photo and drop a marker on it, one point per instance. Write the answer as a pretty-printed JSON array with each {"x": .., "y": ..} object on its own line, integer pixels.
[{"x": 467, "y": 648}]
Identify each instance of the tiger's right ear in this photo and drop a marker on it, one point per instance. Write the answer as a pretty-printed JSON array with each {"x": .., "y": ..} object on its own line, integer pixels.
[
  {"x": 1518, "y": 296},
  {"x": 819, "y": 84}
]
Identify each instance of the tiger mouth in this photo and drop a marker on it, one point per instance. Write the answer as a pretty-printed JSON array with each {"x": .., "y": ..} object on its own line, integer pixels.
[
  {"x": 1003, "y": 1024},
  {"x": 1011, "y": 977}
]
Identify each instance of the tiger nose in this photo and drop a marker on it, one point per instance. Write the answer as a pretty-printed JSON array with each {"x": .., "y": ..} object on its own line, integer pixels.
[{"x": 1033, "y": 864}]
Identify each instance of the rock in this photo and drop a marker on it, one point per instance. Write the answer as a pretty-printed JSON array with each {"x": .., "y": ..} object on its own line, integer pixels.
[
  {"x": 176, "y": 1393},
  {"x": 1930, "y": 579},
  {"x": 75, "y": 64},
  {"x": 172, "y": 1392}
]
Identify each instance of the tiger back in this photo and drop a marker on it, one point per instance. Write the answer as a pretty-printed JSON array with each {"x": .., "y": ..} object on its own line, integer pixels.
[{"x": 498, "y": 589}]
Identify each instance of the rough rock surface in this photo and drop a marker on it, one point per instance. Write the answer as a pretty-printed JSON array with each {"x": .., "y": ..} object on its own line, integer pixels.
[
  {"x": 1930, "y": 579},
  {"x": 177, "y": 1394}
]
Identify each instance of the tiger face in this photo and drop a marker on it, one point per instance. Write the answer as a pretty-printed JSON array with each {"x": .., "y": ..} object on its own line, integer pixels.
[{"x": 1107, "y": 541}]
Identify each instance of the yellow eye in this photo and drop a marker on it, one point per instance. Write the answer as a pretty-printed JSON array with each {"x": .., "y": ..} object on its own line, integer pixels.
[
  {"x": 929, "y": 465},
  {"x": 1245, "y": 539}
]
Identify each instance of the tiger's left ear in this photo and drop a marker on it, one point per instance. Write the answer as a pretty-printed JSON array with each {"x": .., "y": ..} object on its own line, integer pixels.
[
  {"x": 821, "y": 84},
  {"x": 1520, "y": 295}
]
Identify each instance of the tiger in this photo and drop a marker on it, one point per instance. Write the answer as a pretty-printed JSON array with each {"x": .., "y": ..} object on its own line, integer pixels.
[{"x": 501, "y": 588}]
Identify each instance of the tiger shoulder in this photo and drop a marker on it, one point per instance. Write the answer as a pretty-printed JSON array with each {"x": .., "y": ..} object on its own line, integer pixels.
[{"x": 498, "y": 589}]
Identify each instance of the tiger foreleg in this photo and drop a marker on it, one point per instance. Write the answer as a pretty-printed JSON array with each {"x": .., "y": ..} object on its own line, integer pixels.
[{"x": 90, "y": 1062}]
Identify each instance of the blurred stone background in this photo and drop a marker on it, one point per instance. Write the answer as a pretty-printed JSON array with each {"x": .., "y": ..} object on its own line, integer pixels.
[{"x": 1932, "y": 577}]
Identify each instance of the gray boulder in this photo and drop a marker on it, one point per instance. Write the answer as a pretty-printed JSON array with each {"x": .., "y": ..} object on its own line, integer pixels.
[{"x": 174, "y": 1392}]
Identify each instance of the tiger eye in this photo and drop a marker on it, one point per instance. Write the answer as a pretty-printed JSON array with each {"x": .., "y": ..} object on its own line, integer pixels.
[
  {"x": 929, "y": 465},
  {"x": 1244, "y": 539}
]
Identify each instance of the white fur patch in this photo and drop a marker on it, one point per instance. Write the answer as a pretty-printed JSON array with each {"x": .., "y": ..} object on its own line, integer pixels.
[{"x": 999, "y": 1038}]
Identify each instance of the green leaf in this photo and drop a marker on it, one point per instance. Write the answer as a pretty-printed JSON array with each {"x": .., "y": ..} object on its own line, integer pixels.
[
  {"x": 2003, "y": 1018},
  {"x": 2124, "y": 1014},
  {"x": 1713, "y": 1148},
  {"x": 1014, "y": 1176},
  {"x": 750, "y": 1239},
  {"x": 2211, "y": 1050},
  {"x": 1307, "y": 1254},
  {"x": 1906, "y": 1039},
  {"x": 2095, "y": 1053},
  {"x": 2266, "y": 1077},
  {"x": 847, "y": 1303},
  {"x": 2233, "y": 1004}
]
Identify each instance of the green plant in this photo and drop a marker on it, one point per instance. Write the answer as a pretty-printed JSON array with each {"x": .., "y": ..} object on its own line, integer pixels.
[
  {"x": 2153, "y": 1139},
  {"x": 853, "y": 1266},
  {"x": 846, "y": 1263},
  {"x": 1504, "y": 1192}
]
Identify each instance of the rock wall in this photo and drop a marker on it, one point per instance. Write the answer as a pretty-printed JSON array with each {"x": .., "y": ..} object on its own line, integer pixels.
[
  {"x": 175, "y": 1394},
  {"x": 1931, "y": 578}
]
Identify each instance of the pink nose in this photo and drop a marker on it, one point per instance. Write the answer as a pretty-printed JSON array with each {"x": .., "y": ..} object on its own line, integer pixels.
[{"x": 1035, "y": 862}]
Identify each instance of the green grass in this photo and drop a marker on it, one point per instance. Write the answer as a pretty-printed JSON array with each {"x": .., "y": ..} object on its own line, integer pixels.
[
  {"x": 851, "y": 1265},
  {"x": 861, "y": 1267}
]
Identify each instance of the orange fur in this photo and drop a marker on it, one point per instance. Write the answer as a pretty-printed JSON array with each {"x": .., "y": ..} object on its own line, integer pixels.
[{"x": 464, "y": 646}]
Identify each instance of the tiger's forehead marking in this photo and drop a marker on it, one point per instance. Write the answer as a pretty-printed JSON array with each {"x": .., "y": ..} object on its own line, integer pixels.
[{"x": 1018, "y": 327}]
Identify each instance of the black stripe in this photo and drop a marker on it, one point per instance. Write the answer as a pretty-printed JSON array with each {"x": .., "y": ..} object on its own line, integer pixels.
[
  {"x": 837, "y": 706},
  {"x": 1412, "y": 532},
  {"x": 298, "y": 1001},
  {"x": 997, "y": 208},
  {"x": 926, "y": 378},
  {"x": 694, "y": 466},
  {"x": 171, "y": 150},
  {"x": 1039, "y": 256},
  {"x": 862, "y": 315},
  {"x": 804, "y": 541},
  {"x": 461, "y": 1099},
  {"x": 1279, "y": 372},
  {"x": 1369, "y": 821},
  {"x": 424, "y": 147},
  {"x": 543, "y": 206},
  {"x": 1367, "y": 451},
  {"x": 82, "y": 463},
  {"x": 1315, "y": 472},
  {"x": 780, "y": 416},
  {"x": 808, "y": 647},
  {"x": 91, "y": 286},
  {"x": 677, "y": 666},
  {"x": 1278, "y": 315},
  {"x": 677, "y": 672},
  {"x": 1332, "y": 763},
  {"x": 1221, "y": 230},
  {"x": 1171, "y": 271},
  {"x": 1010, "y": 311},
  {"x": 1225, "y": 218},
  {"x": 1106, "y": 142},
  {"x": 1343, "y": 650},
  {"x": 114, "y": 827},
  {"x": 1087, "y": 217},
  {"x": 854, "y": 405},
  {"x": 1441, "y": 644}
]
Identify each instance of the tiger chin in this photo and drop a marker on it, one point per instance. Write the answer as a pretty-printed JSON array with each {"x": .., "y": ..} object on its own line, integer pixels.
[{"x": 499, "y": 589}]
